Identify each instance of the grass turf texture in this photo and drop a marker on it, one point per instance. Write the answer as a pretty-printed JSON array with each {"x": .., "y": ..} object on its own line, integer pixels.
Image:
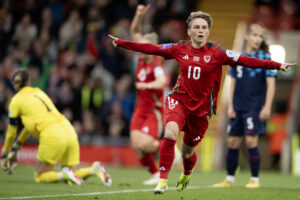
[{"x": 127, "y": 185}]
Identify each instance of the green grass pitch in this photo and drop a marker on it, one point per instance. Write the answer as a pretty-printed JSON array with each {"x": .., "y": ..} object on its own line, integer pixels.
[{"x": 127, "y": 185}]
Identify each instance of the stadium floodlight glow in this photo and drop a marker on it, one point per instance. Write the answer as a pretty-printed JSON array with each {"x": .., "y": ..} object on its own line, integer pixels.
[{"x": 277, "y": 53}]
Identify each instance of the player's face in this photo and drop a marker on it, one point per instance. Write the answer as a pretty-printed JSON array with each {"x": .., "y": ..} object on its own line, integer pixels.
[
  {"x": 199, "y": 31},
  {"x": 255, "y": 38}
]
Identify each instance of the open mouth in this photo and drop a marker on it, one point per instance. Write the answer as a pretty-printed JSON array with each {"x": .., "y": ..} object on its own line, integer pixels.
[{"x": 200, "y": 36}]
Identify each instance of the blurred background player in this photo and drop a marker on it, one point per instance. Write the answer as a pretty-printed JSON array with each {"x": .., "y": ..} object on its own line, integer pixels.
[
  {"x": 251, "y": 96},
  {"x": 146, "y": 124},
  {"x": 33, "y": 109},
  {"x": 193, "y": 100}
]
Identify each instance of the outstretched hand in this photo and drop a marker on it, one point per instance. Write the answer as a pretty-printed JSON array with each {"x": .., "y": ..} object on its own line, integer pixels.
[
  {"x": 286, "y": 66},
  {"x": 141, "y": 9},
  {"x": 114, "y": 40}
]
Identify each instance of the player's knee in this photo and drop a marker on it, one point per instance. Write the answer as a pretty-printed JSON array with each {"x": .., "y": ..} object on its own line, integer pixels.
[
  {"x": 135, "y": 145},
  {"x": 186, "y": 155},
  {"x": 234, "y": 143},
  {"x": 171, "y": 131},
  {"x": 251, "y": 144}
]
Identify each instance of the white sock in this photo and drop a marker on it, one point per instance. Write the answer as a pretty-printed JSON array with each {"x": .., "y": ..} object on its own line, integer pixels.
[
  {"x": 256, "y": 179},
  {"x": 156, "y": 174},
  {"x": 230, "y": 178},
  {"x": 61, "y": 177},
  {"x": 92, "y": 170}
]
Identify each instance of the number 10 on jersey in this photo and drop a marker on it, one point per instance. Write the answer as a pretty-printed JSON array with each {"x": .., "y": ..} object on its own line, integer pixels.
[{"x": 195, "y": 70}]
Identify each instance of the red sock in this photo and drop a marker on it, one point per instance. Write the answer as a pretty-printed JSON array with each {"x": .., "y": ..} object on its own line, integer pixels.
[
  {"x": 148, "y": 161},
  {"x": 188, "y": 164},
  {"x": 166, "y": 157},
  {"x": 160, "y": 142}
]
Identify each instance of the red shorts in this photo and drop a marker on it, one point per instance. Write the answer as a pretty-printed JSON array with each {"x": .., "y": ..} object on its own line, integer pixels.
[
  {"x": 194, "y": 127},
  {"x": 149, "y": 123}
]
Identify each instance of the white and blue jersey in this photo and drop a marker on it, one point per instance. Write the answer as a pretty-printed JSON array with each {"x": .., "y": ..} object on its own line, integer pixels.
[
  {"x": 249, "y": 97},
  {"x": 250, "y": 88}
]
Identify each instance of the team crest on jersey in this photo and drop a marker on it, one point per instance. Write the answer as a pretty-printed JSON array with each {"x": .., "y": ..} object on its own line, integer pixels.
[
  {"x": 207, "y": 58},
  {"x": 142, "y": 75}
]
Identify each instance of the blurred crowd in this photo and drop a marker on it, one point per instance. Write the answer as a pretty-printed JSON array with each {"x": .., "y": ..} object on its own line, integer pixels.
[
  {"x": 64, "y": 45},
  {"x": 277, "y": 15}
]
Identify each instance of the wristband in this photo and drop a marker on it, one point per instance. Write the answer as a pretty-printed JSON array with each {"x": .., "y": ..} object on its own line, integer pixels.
[
  {"x": 16, "y": 146},
  {"x": 4, "y": 154}
]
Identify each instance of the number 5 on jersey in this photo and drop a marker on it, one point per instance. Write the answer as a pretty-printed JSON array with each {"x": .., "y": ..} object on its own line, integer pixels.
[{"x": 195, "y": 71}]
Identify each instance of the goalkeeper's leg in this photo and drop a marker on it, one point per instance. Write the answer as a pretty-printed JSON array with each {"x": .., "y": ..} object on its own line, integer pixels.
[
  {"x": 43, "y": 174},
  {"x": 96, "y": 169}
]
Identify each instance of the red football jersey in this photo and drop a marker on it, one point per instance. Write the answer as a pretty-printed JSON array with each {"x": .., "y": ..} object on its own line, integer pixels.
[
  {"x": 200, "y": 70},
  {"x": 146, "y": 72}
]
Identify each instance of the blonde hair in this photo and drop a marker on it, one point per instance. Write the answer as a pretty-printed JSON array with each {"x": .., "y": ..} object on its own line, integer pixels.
[
  {"x": 152, "y": 37},
  {"x": 199, "y": 14}
]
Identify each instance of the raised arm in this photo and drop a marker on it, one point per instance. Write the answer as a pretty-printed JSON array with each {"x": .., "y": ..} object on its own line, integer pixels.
[
  {"x": 165, "y": 50},
  {"x": 136, "y": 25}
]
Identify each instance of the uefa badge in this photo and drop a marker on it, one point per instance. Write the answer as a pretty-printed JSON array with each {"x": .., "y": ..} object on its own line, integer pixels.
[{"x": 206, "y": 58}]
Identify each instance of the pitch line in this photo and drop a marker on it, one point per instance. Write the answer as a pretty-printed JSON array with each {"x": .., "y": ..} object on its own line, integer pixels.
[{"x": 97, "y": 193}]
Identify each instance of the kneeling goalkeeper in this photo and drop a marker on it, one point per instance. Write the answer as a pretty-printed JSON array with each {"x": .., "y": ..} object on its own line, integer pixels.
[{"x": 58, "y": 140}]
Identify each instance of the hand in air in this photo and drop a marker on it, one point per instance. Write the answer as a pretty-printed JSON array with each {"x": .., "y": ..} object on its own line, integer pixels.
[
  {"x": 141, "y": 9},
  {"x": 114, "y": 40},
  {"x": 286, "y": 66}
]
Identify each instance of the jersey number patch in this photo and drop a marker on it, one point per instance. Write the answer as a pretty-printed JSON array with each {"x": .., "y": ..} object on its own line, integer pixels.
[
  {"x": 194, "y": 72},
  {"x": 239, "y": 70}
]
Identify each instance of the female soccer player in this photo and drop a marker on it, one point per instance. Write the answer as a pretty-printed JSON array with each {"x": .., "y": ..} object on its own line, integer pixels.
[
  {"x": 146, "y": 124},
  {"x": 251, "y": 97},
  {"x": 32, "y": 108},
  {"x": 193, "y": 100}
]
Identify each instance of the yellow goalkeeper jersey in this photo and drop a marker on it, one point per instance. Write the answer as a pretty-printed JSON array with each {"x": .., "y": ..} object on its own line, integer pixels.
[{"x": 35, "y": 109}]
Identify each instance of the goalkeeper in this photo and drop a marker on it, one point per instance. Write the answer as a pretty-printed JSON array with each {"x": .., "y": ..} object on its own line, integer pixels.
[{"x": 58, "y": 141}]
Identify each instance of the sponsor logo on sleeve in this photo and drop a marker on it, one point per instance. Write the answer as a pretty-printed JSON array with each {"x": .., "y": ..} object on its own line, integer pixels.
[
  {"x": 232, "y": 54},
  {"x": 166, "y": 46}
]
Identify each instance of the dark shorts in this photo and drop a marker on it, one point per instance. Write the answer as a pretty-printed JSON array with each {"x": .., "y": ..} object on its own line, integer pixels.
[
  {"x": 194, "y": 127},
  {"x": 246, "y": 124}
]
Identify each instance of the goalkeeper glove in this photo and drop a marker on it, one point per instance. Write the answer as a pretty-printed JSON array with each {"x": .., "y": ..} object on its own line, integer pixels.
[
  {"x": 4, "y": 161},
  {"x": 12, "y": 161}
]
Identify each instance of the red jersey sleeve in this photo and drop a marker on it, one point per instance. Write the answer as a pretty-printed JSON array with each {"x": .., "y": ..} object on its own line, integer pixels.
[
  {"x": 233, "y": 59},
  {"x": 165, "y": 50}
]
